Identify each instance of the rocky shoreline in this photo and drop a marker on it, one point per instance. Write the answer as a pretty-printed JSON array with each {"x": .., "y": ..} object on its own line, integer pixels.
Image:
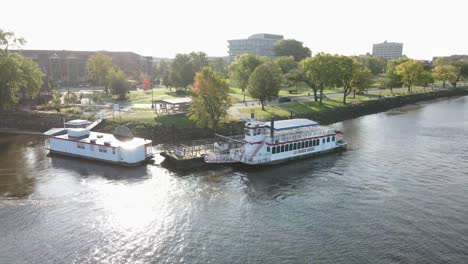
[{"x": 24, "y": 121}]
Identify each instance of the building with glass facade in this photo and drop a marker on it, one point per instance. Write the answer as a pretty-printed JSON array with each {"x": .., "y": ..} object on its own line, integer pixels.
[
  {"x": 257, "y": 44},
  {"x": 388, "y": 50}
]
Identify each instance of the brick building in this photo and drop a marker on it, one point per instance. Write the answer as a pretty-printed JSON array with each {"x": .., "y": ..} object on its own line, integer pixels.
[{"x": 69, "y": 67}]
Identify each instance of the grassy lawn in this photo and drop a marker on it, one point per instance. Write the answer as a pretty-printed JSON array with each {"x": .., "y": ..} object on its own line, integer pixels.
[
  {"x": 284, "y": 110},
  {"x": 144, "y": 97},
  {"x": 147, "y": 116}
]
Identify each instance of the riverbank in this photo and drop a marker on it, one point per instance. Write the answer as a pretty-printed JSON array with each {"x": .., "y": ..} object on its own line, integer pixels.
[{"x": 160, "y": 133}]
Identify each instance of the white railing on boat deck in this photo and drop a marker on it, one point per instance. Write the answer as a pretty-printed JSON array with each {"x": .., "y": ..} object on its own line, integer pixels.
[
  {"x": 265, "y": 158},
  {"x": 298, "y": 136},
  {"x": 219, "y": 158}
]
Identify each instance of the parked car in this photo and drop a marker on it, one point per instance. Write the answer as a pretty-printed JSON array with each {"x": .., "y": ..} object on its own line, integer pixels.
[{"x": 284, "y": 100}]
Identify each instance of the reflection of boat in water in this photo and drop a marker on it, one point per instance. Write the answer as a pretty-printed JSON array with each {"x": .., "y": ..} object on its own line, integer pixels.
[
  {"x": 278, "y": 142},
  {"x": 90, "y": 167}
]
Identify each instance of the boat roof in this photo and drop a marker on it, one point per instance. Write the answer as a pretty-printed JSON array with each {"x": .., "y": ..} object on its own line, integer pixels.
[
  {"x": 292, "y": 124},
  {"x": 77, "y": 122},
  {"x": 102, "y": 138}
]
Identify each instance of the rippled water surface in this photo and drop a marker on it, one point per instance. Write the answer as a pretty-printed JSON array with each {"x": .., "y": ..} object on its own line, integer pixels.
[{"x": 398, "y": 195}]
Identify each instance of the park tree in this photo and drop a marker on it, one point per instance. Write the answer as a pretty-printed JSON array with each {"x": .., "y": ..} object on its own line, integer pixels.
[
  {"x": 376, "y": 65},
  {"x": 118, "y": 83},
  {"x": 286, "y": 64},
  {"x": 461, "y": 72},
  {"x": 291, "y": 47},
  {"x": 220, "y": 66},
  {"x": 242, "y": 68},
  {"x": 319, "y": 72},
  {"x": 351, "y": 75},
  {"x": 99, "y": 65},
  {"x": 210, "y": 100},
  {"x": 427, "y": 78},
  {"x": 184, "y": 67},
  {"x": 160, "y": 71},
  {"x": 264, "y": 83},
  {"x": 410, "y": 72},
  {"x": 393, "y": 79},
  {"x": 17, "y": 73},
  {"x": 444, "y": 73}
]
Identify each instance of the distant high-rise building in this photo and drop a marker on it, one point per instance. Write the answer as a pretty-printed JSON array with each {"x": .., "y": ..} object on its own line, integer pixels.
[
  {"x": 388, "y": 50},
  {"x": 257, "y": 44}
]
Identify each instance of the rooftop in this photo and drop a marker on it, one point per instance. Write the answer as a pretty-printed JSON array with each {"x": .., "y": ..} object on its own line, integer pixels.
[
  {"x": 103, "y": 138},
  {"x": 176, "y": 100},
  {"x": 292, "y": 124}
]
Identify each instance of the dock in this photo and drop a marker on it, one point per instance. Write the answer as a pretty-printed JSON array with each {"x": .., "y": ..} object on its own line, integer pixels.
[{"x": 191, "y": 154}]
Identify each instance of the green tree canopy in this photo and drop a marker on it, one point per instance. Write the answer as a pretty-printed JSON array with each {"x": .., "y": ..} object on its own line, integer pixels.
[
  {"x": 242, "y": 67},
  {"x": 184, "y": 67},
  {"x": 17, "y": 73},
  {"x": 210, "y": 100},
  {"x": 319, "y": 72},
  {"x": 410, "y": 72},
  {"x": 376, "y": 65},
  {"x": 291, "y": 47},
  {"x": 221, "y": 66},
  {"x": 351, "y": 75},
  {"x": 393, "y": 79},
  {"x": 264, "y": 83},
  {"x": 118, "y": 83},
  {"x": 444, "y": 73},
  {"x": 99, "y": 65}
]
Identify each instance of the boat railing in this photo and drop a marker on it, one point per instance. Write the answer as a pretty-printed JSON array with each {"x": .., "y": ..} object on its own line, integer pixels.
[{"x": 298, "y": 136}]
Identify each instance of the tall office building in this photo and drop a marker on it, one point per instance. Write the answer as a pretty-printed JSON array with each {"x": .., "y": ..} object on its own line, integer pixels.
[
  {"x": 388, "y": 50},
  {"x": 257, "y": 44}
]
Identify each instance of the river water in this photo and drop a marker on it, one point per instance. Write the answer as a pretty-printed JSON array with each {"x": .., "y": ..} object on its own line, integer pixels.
[{"x": 398, "y": 195}]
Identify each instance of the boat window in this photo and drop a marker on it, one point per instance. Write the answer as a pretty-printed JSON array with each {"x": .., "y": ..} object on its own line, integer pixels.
[
  {"x": 333, "y": 138},
  {"x": 286, "y": 148},
  {"x": 247, "y": 132},
  {"x": 268, "y": 149},
  {"x": 295, "y": 146},
  {"x": 317, "y": 142},
  {"x": 273, "y": 150},
  {"x": 307, "y": 144},
  {"x": 290, "y": 146},
  {"x": 102, "y": 149},
  {"x": 259, "y": 131},
  {"x": 282, "y": 148},
  {"x": 310, "y": 143},
  {"x": 277, "y": 149},
  {"x": 323, "y": 140},
  {"x": 302, "y": 144},
  {"x": 328, "y": 139},
  {"x": 80, "y": 145}
]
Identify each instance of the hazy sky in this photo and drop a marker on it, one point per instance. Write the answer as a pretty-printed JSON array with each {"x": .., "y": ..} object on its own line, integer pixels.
[{"x": 164, "y": 28}]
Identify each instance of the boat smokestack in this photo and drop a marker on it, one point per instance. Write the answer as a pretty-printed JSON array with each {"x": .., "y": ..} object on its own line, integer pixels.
[
  {"x": 252, "y": 116},
  {"x": 272, "y": 127}
]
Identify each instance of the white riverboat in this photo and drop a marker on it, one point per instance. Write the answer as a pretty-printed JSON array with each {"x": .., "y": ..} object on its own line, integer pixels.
[
  {"x": 76, "y": 140},
  {"x": 267, "y": 143}
]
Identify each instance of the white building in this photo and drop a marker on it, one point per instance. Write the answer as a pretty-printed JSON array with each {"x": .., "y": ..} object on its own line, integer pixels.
[
  {"x": 388, "y": 50},
  {"x": 83, "y": 143}
]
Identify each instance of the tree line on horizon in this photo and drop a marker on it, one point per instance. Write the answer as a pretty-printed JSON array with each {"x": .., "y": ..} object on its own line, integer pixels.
[{"x": 208, "y": 80}]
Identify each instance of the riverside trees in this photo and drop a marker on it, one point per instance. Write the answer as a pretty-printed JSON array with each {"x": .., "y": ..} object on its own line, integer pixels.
[
  {"x": 99, "y": 65},
  {"x": 17, "y": 73},
  {"x": 264, "y": 83},
  {"x": 210, "y": 100}
]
